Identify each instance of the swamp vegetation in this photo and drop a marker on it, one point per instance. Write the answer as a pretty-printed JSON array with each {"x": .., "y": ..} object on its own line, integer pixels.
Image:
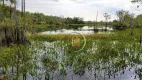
[
  {"x": 27, "y": 55},
  {"x": 52, "y": 57}
]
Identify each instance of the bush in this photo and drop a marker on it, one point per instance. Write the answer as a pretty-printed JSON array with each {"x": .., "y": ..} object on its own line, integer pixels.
[{"x": 120, "y": 26}]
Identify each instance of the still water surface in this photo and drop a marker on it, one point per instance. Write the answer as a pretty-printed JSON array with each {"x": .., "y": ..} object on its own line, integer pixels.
[{"x": 83, "y": 30}]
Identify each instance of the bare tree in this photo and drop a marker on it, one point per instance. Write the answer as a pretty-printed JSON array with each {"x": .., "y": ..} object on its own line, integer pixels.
[
  {"x": 107, "y": 17},
  {"x": 96, "y": 22},
  {"x": 121, "y": 14}
]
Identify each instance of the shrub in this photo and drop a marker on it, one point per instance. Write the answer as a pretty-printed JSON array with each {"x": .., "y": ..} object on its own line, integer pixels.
[{"x": 120, "y": 26}]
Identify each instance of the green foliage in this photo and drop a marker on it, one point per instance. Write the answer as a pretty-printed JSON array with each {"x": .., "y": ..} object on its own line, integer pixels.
[
  {"x": 119, "y": 25},
  {"x": 139, "y": 20},
  {"x": 125, "y": 20},
  {"x": 55, "y": 21}
]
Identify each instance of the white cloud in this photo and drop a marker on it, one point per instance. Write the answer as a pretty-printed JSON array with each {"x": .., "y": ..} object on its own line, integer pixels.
[{"x": 80, "y": 8}]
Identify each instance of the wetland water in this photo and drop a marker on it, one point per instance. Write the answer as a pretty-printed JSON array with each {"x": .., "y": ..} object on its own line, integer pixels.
[
  {"x": 83, "y": 30},
  {"x": 58, "y": 60}
]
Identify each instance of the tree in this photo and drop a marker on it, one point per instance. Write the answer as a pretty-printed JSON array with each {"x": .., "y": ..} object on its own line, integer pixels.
[
  {"x": 107, "y": 17},
  {"x": 11, "y": 26},
  {"x": 117, "y": 25},
  {"x": 139, "y": 24},
  {"x": 136, "y": 1},
  {"x": 129, "y": 20},
  {"x": 120, "y": 14},
  {"x": 139, "y": 20},
  {"x": 125, "y": 20}
]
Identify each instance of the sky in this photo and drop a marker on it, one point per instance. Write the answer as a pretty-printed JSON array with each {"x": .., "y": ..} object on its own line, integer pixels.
[{"x": 87, "y": 9}]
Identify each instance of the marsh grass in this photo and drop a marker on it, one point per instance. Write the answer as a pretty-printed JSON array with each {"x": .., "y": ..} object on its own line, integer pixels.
[
  {"x": 113, "y": 58},
  {"x": 124, "y": 35},
  {"x": 50, "y": 57},
  {"x": 52, "y": 37}
]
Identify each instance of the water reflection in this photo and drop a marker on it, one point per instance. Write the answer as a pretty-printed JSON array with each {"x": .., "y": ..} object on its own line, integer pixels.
[
  {"x": 83, "y": 30},
  {"x": 58, "y": 61}
]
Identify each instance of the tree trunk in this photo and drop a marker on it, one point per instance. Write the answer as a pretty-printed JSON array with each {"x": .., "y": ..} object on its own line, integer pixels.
[
  {"x": 96, "y": 23},
  {"x": 5, "y": 32},
  {"x": 22, "y": 8},
  {"x": 140, "y": 39},
  {"x": 3, "y": 3},
  {"x": 10, "y": 12},
  {"x": 106, "y": 27}
]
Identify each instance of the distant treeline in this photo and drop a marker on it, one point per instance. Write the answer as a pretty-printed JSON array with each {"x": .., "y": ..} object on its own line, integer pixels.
[
  {"x": 39, "y": 21},
  {"x": 40, "y": 18}
]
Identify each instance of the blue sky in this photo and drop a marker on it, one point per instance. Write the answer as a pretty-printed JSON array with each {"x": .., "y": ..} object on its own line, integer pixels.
[{"x": 86, "y": 9}]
